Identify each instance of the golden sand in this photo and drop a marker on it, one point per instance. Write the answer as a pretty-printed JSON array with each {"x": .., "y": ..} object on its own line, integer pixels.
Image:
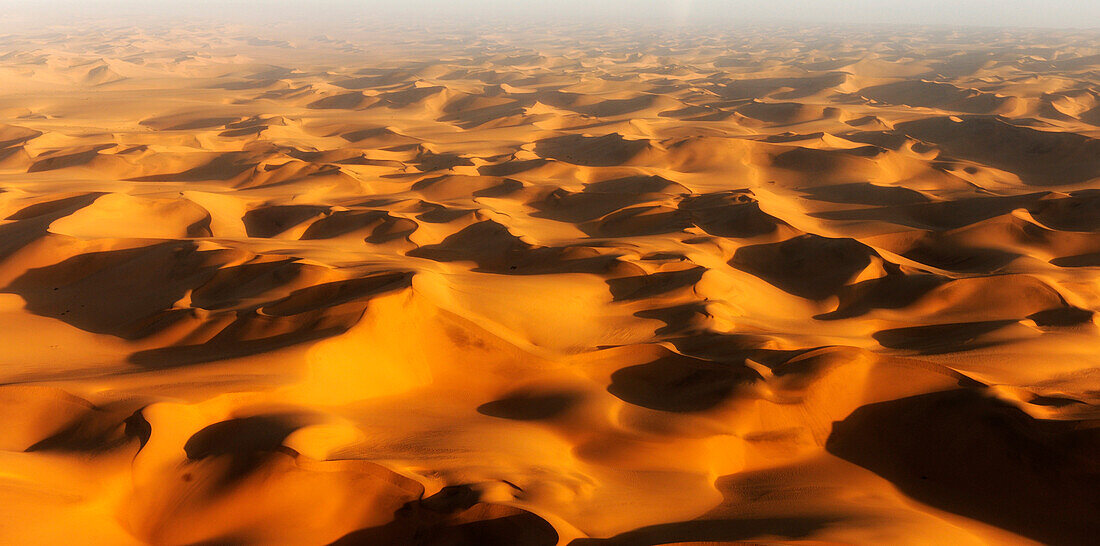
[{"x": 550, "y": 288}]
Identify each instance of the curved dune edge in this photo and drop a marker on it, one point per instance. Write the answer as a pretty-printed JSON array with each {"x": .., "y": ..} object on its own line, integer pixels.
[{"x": 549, "y": 289}]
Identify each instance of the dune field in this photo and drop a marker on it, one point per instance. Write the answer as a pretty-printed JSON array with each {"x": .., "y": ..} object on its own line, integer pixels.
[{"x": 532, "y": 287}]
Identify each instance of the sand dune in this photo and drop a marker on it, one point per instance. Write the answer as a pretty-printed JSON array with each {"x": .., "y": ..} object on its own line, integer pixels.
[{"x": 570, "y": 287}]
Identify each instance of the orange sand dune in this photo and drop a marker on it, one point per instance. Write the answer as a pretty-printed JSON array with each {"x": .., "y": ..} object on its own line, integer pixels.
[{"x": 585, "y": 287}]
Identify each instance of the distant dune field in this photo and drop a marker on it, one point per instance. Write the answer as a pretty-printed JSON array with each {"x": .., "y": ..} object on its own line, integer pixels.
[{"x": 595, "y": 286}]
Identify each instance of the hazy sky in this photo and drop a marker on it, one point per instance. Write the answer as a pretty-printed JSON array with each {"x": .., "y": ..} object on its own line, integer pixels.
[{"x": 1018, "y": 13}]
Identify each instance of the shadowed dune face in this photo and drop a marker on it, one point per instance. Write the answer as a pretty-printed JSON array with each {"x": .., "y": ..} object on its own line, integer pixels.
[
  {"x": 679, "y": 384},
  {"x": 809, "y": 266},
  {"x": 454, "y": 515},
  {"x": 549, "y": 286},
  {"x": 980, "y": 440},
  {"x": 1039, "y": 157},
  {"x": 606, "y": 151},
  {"x": 122, "y": 293},
  {"x": 530, "y": 406}
]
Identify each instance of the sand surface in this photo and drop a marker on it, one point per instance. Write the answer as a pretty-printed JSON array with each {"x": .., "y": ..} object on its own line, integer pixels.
[{"x": 549, "y": 287}]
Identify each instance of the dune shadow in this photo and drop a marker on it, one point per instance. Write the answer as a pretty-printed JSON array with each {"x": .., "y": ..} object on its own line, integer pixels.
[
  {"x": 1091, "y": 259},
  {"x": 968, "y": 453},
  {"x": 61, "y": 160},
  {"x": 98, "y": 430},
  {"x": 530, "y": 406},
  {"x": 227, "y": 347},
  {"x": 307, "y": 314},
  {"x": 242, "y": 435},
  {"x": 578, "y": 207},
  {"x": 940, "y": 95},
  {"x": 942, "y": 253},
  {"x": 782, "y": 88},
  {"x": 894, "y": 291},
  {"x": 937, "y": 215},
  {"x": 603, "y": 151},
  {"x": 865, "y": 193},
  {"x": 678, "y": 383},
  {"x": 495, "y": 249},
  {"x": 125, "y": 293},
  {"x": 380, "y": 226},
  {"x": 456, "y": 516},
  {"x": 940, "y": 338},
  {"x": 243, "y": 444},
  {"x": 681, "y": 318},
  {"x": 733, "y": 213},
  {"x": 32, "y": 222},
  {"x": 223, "y": 166},
  {"x": 1038, "y": 157},
  {"x": 1078, "y": 212},
  {"x": 270, "y": 221},
  {"x": 639, "y": 221},
  {"x": 713, "y": 531},
  {"x": 808, "y": 266},
  {"x": 645, "y": 286},
  {"x": 1062, "y": 317}
]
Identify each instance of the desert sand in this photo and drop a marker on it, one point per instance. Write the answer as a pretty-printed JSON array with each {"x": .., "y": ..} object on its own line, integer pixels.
[{"x": 568, "y": 286}]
